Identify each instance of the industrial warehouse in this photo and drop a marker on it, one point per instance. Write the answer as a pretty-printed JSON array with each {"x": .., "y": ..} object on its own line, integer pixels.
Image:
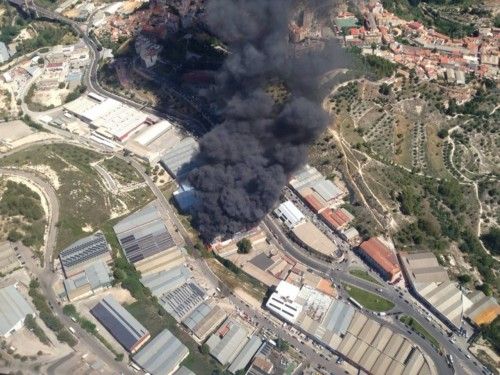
[
  {"x": 231, "y": 339},
  {"x": 146, "y": 241},
  {"x": 340, "y": 327},
  {"x": 379, "y": 256},
  {"x": 318, "y": 192},
  {"x": 120, "y": 323},
  {"x": 177, "y": 159},
  {"x": 429, "y": 282},
  {"x": 175, "y": 290},
  {"x": 306, "y": 233},
  {"x": 162, "y": 355},
  {"x": 94, "y": 278},
  {"x": 13, "y": 310},
  {"x": 75, "y": 258},
  {"x": 108, "y": 116}
]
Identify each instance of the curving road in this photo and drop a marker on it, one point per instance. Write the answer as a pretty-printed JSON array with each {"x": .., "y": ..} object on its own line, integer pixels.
[
  {"x": 90, "y": 79},
  {"x": 404, "y": 304},
  {"x": 47, "y": 277}
]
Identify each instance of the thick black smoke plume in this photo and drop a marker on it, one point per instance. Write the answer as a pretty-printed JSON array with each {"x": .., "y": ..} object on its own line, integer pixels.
[{"x": 245, "y": 161}]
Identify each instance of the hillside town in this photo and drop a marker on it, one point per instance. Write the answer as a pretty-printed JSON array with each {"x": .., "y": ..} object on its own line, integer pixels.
[
  {"x": 431, "y": 54},
  {"x": 103, "y": 269}
]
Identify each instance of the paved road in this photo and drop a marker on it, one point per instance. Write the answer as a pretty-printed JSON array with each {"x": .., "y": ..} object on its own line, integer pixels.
[
  {"x": 407, "y": 308},
  {"x": 46, "y": 277},
  {"x": 92, "y": 83}
]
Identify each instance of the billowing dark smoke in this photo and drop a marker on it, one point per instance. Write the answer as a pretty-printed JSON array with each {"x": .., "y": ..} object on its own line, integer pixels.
[{"x": 245, "y": 161}]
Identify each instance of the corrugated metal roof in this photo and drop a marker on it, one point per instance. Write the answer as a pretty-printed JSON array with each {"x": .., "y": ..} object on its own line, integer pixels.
[
  {"x": 326, "y": 190},
  {"x": 165, "y": 281},
  {"x": 246, "y": 354},
  {"x": 119, "y": 322},
  {"x": 197, "y": 315},
  {"x": 174, "y": 159},
  {"x": 162, "y": 355},
  {"x": 13, "y": 309},
  {"x": 305, "y": 177},
  {"x": 180, "y": 301},
  {"x": 84, "y": 250},
  {"x": 184, "y": 371},
  {"x": 226, "y": 348},
  {"x": 143, "y": 234}
]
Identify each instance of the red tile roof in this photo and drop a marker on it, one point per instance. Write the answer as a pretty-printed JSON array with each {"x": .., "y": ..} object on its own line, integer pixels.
[
  {"x": 336, "y": 219},
  {"x": 314, "y": 203},
  {"x": 381, "y": 254}
]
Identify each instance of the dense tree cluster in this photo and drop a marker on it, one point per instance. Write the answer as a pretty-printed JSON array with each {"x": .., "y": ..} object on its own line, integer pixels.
[
  {"x": 18, "y": 199},
  {"x": 244, "y": 246},
  {"x": 491, "y": 332},
  {"x": 492, "y": 240}
]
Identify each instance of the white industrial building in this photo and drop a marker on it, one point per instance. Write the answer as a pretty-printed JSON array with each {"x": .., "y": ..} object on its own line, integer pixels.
[
  {"x": 153, "y": 132},
  {"x": 109, "y": 116},
  {"x": 13, "y": 310},
  {"x": 289, "y": 214},
  {"x": 282, "y": 302}
]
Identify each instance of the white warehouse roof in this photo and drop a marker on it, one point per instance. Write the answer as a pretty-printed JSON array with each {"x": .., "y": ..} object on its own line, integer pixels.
[
  {"x": 282, "y": 302},
  {"x": 162, "y": 355},
  {"x": 153, "y": 132},
  {"x": 13, "y": 310},
  {"x": 289, "y": 214}
]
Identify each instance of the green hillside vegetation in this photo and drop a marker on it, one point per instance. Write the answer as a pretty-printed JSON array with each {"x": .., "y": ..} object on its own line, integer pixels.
[
  {"x": 83, "y": 200},
  {"x": 492, "y": 240},
  {"x": 23, "y": 214},
  {"x": 491, "y": 333},
  {"x": 413, "y": 10}
]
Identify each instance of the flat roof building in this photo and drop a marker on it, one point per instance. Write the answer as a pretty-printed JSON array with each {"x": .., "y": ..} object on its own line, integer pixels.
[
  {"x": 162, "y": 355},
  {"x": 310, "y": 237},
  {"x": 76, "y": 257},
  {"x": 113, "y": 117},
  {"x": 227, "y": 342},
  {"x": 13, "y": 310},
  {"x": 351, "y": 235},
  {"x": 282, "y": 302},
  {"x": 380, "y": 257},
  {"x": 289, "y": 214},
  {"x": 120, "y": 323},
  {"x": 146, "y": 241}
]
